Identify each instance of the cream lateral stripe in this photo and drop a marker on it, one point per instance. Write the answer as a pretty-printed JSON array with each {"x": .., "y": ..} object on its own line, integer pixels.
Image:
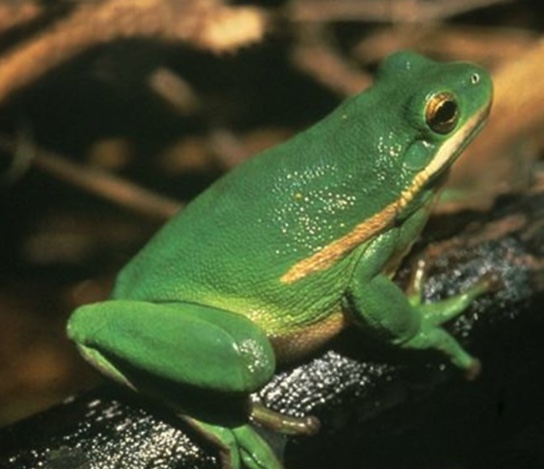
[
  {"x": 364, "y": 231},
  {"x": 326, "y": 257}
]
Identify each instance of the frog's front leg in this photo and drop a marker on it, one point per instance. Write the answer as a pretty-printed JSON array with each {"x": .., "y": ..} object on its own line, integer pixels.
[
  {"x": 169, "y": 350},
  {"x": 380, "y": 306}
]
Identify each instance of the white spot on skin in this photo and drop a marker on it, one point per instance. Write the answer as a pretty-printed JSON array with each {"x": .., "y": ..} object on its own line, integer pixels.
[
  {"x": 389, "y": 145},
  {"x": 309, "y": 217},
  {"x": 254, "y": 354}
]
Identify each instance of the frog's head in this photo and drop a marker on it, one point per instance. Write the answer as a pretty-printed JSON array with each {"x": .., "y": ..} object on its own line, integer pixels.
[
  {"x": 409, "y": 127},
  {"x": 442, "y": 107}
]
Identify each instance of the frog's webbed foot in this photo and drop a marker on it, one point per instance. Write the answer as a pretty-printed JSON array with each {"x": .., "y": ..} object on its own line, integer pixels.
[
  {"x": 239, "y": 446},
  {"x": 433, "y": 315}
]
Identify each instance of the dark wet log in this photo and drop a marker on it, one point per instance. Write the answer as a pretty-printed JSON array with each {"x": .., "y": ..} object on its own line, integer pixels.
[{"x": 378, "y": 408}]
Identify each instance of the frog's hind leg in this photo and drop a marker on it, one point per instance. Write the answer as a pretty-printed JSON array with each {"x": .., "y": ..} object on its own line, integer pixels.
[
  {"x": 171, "y": 351},
  {"x": 182, "y": 344}
]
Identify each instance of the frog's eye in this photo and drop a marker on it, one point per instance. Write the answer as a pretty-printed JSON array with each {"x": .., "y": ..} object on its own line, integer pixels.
[{"x": 442, "y": 112}]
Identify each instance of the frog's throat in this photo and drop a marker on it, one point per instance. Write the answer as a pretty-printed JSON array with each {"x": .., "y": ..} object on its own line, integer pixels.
[{"x": 384, "y": 219}]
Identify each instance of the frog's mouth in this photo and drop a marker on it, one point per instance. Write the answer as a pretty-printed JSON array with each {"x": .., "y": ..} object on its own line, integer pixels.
[
  {"x": 446, "y": 155},
  {"x": 376, "y": 224}
]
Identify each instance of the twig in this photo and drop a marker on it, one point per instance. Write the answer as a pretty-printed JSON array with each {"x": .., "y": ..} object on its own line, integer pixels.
[
  {"x": 13, "y": 14},
  {"x": 398, "y": 11},
  {"x": 316, "y": 56},
  {"x": 122, "y": 192},
  {"x": 174, "y": 90},
  {"x": 479, "y": 43},
  {"x": 207, "y": 24}
]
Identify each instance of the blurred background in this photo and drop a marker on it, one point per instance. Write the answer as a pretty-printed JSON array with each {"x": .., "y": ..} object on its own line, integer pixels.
[{"x": 116, "y": 113}]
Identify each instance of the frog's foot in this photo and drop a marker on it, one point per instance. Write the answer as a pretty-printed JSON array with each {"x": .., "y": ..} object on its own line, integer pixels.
[
  {"x": 285, "y": 424},
  {"x": 433, "y": 315},
  {"x": 240, "y": 446}
]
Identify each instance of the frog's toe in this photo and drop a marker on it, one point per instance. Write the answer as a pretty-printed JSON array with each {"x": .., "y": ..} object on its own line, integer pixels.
[
  {"x": 489, "y": 282},
  {"x": 473, "y": 370},
  {"x": 414, "y": 290},
  {"x": 288, "y": 425},
  {"x": 254, "y": 451}
]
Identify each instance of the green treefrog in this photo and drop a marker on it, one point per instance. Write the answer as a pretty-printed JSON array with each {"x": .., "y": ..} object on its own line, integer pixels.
[{"x": 283, "y": 252}]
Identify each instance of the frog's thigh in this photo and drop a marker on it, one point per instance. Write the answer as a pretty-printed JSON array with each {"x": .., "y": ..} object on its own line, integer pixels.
[{"x": 181, "y": 342}]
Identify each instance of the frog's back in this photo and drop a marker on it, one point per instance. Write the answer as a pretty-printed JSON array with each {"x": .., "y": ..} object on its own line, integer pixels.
[{"x": 232, "y": 244}]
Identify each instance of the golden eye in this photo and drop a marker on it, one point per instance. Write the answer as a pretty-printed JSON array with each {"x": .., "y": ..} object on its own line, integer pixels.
[{"x": 442, "y": 112}]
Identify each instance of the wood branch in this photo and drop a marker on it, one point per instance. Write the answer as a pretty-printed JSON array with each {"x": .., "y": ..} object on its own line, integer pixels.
[
  {"x": 174, "y": 90},
  {"x": 315, "y": 55},
  {"x": 398, "y": 11},
  {"x": 206, "y": 24},
  {"x": 378, "y": 408},
  {"x": 120, "y": 191},
  {"x": 486, "y": 45},
  {"x": 14, "y": 14}
]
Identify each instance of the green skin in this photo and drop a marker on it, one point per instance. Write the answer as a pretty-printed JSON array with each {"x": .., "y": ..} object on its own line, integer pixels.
[{"x": 201, "y": 317}]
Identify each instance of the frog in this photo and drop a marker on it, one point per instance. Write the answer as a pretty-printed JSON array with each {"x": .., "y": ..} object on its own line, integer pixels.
[{"x": 279, "y": 255}]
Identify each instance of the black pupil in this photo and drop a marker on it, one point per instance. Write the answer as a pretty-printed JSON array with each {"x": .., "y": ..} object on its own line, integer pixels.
[{"x": 446, "y": 111}]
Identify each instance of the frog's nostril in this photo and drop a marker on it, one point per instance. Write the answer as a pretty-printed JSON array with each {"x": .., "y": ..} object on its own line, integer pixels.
[{"x": 475, "y": 78}]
